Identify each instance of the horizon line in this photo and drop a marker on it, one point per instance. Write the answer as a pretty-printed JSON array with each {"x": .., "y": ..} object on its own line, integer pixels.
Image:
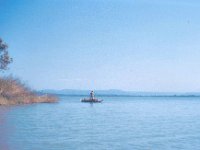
[{"x": 132, "y": 91}]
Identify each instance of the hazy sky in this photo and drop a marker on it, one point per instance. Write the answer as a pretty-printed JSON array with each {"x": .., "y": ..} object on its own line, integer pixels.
[{"x": 139, "y": 45}]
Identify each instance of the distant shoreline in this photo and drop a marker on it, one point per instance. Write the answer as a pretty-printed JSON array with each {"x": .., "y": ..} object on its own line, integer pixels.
[
  {"x": 118, "y": 93},
  {"x": 100, "y": 95}
]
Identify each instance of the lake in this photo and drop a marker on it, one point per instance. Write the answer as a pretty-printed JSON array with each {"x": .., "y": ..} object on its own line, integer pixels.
[{"x": 119, "y": 123}]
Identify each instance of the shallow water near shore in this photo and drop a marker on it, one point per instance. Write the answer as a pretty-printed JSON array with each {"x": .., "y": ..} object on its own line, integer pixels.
[{"x": 140, "y": 123}]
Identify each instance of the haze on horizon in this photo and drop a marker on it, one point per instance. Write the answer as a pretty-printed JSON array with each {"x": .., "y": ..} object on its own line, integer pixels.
[{"x": 135, "y": 45}]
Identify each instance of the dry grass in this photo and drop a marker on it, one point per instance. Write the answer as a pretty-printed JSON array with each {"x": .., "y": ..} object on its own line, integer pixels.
[{"x": 13, "y": 91}]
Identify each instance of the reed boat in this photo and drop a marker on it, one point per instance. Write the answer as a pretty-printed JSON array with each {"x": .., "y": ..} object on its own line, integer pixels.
[{"x": 90, "y": 100}]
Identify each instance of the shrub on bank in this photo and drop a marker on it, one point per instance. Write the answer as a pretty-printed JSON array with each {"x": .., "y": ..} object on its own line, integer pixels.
[{"x": 13, "y": 91}]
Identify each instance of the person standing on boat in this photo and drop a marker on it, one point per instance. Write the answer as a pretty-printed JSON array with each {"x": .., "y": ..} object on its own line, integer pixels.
[{"x": 92, "y": 94}]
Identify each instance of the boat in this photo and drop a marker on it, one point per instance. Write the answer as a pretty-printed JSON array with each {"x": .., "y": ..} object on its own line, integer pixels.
[{"x": 91, "y": 99}]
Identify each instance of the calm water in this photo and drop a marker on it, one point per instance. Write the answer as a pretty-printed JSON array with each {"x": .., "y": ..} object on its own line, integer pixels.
[{"x": 120, "y": 123}]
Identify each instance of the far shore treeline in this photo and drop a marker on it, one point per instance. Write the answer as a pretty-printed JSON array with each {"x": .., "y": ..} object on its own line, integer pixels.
[{"x": 12, "y": 90}]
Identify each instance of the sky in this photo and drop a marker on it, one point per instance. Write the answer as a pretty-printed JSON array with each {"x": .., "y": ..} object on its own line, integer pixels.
[{"x": 135, "y": 45}]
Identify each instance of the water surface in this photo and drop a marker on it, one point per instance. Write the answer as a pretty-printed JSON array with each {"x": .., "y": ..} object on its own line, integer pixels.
[{"x": 139, "y": 123}]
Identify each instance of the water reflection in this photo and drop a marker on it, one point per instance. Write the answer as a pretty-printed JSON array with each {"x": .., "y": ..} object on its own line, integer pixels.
[{"x": 4, "y": 131}]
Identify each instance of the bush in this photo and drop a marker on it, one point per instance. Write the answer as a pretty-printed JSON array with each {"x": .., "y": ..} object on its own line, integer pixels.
[{"x": 13, "y": 91}]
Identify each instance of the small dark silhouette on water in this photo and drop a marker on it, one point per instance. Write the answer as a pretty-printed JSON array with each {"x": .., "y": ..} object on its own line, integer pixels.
[{"x": 91, "y": 99}]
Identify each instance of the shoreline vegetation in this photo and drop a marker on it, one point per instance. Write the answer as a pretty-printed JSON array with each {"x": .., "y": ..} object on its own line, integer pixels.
[{"x": 14, "y": 92}]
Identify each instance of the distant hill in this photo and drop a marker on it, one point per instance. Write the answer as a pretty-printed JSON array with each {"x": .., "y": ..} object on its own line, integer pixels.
[{"x": 115, "y": 92}]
